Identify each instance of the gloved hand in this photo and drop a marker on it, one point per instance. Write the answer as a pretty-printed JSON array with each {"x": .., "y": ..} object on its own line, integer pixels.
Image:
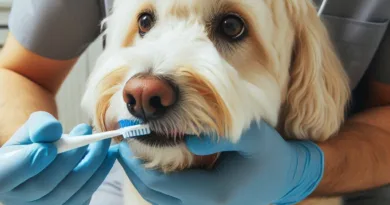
[
  {"x": 31, "y": 172},
  {"x": 262, "y": 168}
]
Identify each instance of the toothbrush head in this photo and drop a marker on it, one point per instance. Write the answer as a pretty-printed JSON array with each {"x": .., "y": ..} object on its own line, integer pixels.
[
  {"x": 128, "y": 123},
  {"x": 143, "y": 130}
]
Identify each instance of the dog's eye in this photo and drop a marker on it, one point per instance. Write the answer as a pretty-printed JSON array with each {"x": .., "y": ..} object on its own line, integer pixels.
[
  {"x": 232, "y": 27},
  {"x": 145, "y": 23}
]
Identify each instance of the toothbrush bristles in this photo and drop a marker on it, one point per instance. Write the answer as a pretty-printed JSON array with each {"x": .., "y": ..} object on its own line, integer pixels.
[
  {"x": 133, "y": 133},
  {"x": 136, "y": 133}
]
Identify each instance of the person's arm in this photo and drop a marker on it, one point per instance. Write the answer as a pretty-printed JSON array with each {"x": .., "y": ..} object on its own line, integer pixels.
[
  {"x": 44, "y": 44},
  {"x": 28, "y": 83},
  {"x": 359, "y": 157},
  {"x": 46, "y": 39}
]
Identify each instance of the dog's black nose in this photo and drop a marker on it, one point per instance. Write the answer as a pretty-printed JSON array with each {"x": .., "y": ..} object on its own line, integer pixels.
[{"x": 149, "y": 97}]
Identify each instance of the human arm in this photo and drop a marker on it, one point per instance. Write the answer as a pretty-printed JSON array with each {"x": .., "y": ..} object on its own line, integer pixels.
[
  {"x": 28, "y": 83},
  {"x": 33, "y": 65},
  {"x": 43, "y": 45},
  {"x": 358, "y": 158}
]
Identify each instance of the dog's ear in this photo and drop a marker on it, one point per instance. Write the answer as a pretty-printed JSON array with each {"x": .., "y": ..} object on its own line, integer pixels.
[{"x": 318, "y": 89}]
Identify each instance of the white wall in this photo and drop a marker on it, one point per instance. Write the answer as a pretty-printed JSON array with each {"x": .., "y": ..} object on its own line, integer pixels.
[{"x": 70, "y": 94}]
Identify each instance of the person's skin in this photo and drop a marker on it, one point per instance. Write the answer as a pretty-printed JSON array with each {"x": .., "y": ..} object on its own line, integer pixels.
[
  {"x": 358, "y": 158},
  {"x": 28, "y": 83}
]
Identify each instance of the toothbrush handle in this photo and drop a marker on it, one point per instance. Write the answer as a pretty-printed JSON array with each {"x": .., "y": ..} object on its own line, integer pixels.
[{"x": 67, "y": 143}]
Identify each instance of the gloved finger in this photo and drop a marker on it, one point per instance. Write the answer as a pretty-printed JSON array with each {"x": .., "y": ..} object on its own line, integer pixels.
[
  {"x": 170, "y": 184},
  {"x": 87, "y": 202},
  {"x": 79, "y": 176},
  {"x": 44, "y": 182},
  {"x": 115, "y": 149},
  {"x": 128, "y": 160},
  {"x": 20, "y": 163},
  {"x": 20, "y": 137},
  {"x": 132, "y": 165},
  {"x": 151, "y": 195},
  {"x": 43, "y": 127},
  {"x": 95, "y": 181},
  {"x": 252, "y": 140},
  {"x": 208, "y": 145}
]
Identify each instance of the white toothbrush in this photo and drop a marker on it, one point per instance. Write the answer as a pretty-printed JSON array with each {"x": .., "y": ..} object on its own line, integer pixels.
[{"x": 67, "y": 142}]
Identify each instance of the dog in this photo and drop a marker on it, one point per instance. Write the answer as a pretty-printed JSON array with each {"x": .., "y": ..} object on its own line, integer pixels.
[{"x": 215, "y": 66}]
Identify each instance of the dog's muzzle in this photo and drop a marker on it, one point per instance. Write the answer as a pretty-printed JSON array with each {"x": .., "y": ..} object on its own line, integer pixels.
[{"x": 149, "y": 98}]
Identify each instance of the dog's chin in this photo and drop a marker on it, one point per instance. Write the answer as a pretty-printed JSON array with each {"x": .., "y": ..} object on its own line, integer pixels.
[{"x": 168, "y": 153}]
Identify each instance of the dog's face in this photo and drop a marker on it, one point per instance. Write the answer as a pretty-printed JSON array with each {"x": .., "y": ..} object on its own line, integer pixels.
[{"x": 214, "y": 66}]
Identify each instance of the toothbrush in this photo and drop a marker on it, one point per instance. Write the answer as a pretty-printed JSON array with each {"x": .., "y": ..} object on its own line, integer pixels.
[{"x": 129, "y": 129}]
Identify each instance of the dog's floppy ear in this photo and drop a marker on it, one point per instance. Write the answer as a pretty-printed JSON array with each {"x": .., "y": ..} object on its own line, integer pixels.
[{"x": 318, "y": 89}]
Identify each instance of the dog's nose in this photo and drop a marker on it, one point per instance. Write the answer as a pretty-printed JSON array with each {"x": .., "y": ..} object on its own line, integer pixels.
[{"x": 149, "y": 97}]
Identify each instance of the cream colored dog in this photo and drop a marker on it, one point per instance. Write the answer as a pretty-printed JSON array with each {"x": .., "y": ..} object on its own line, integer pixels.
[{"x": 189, "y": 67}]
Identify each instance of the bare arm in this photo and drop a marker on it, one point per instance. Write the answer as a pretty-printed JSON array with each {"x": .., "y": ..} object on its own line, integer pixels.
[
  {"x": 359, "y": 157},
  {"x": 28, "y": 83}
]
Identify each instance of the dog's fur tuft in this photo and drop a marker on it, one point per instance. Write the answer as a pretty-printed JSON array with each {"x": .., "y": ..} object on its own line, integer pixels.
[{"x": 318, "y": 89}]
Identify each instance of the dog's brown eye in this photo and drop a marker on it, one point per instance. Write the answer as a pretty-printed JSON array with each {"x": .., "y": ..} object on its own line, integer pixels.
[
  {"x": 233, "y": 27},
  {"x": 145, "y": 23}
]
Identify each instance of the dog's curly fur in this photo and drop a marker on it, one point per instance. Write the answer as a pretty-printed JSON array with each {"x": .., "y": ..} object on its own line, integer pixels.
[{"x": 285, "y": 71}]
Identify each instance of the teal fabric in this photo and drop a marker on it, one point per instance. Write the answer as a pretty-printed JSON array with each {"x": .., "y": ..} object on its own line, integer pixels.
[
  {"x": 57, "y": 29},
  {"x": 359, "y": 30}
]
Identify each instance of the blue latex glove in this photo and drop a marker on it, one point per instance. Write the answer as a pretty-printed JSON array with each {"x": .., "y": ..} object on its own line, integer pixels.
[
  {"x": 262, "y": 168},
  {"x": 31, "y": 172}
]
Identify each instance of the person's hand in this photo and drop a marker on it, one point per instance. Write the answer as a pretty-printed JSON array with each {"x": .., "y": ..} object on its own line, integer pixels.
[
  {"x": 31, "y": 172},
  {"x": 262, "y": 168}
]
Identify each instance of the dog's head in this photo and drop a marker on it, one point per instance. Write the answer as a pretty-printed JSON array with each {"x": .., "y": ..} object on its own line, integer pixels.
[{"x": 214, "y": 66}]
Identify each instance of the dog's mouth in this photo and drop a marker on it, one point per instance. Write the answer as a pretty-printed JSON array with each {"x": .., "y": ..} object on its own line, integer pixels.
[{"x": 161, "y": 140}]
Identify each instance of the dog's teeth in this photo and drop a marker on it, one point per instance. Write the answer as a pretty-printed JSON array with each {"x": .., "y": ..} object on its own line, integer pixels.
[{"x": 137, "y": 132}]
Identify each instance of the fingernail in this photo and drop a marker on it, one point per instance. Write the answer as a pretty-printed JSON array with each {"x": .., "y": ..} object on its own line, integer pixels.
[{"x": 42, "y": 121}]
